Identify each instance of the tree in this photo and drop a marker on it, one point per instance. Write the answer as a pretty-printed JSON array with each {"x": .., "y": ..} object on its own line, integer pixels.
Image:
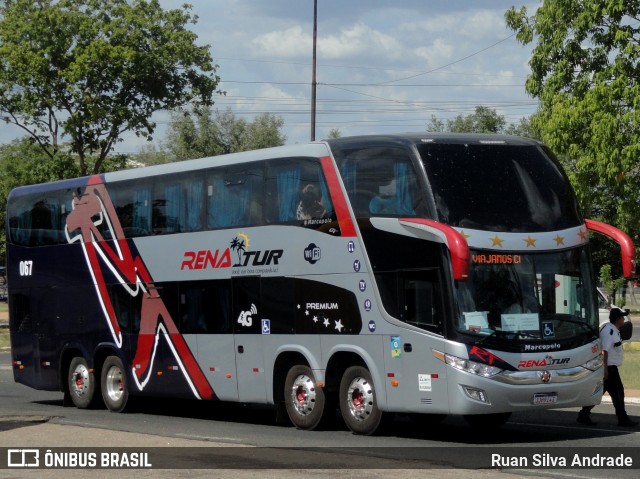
[
  {"x": 436, "y": 125},
  {"x": 22, "y": 162},
  {"x": 523, "y": 128},
  {"x": 482, "y": 120},
  {"x": 203, "y": 133},
  {"x": 86, "y": 71},
  {"x": 334, "y": 133},
  {"x": 585, "y": 74},
  {"x": 611, "y": 286}
]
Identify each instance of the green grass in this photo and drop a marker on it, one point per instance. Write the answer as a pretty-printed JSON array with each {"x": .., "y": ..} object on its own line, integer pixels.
[
  {"x": 4, "y": 339},
  {"x": 4, "y": 332},
  {"x": 629, "y": 370}
]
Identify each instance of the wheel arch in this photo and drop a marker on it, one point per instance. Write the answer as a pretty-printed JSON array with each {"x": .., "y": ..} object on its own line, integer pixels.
[
  {"x": 285, "y": 360},
  {"x": 70, "y": 351},
  {"x": 341, "y": 358}
]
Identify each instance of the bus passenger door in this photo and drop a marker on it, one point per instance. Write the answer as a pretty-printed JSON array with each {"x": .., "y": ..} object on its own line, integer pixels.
[
  {"x": 420, "y": 378},
  {"x": 248, "y": 339},
  {"x": 206, "y": 317}
]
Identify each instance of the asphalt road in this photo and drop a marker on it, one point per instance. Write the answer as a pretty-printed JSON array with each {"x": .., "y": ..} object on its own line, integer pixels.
[{"x": 205, "y": 437}]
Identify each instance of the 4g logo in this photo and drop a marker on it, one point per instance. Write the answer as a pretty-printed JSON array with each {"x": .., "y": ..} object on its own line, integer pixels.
[{"x": 246, "y": 317}]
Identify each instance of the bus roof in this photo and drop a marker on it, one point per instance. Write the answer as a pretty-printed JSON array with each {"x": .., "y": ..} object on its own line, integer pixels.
[{"x": 312, "y": 149}]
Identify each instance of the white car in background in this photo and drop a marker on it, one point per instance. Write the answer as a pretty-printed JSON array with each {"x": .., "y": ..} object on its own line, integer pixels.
[{"x": 604, "y": 307}]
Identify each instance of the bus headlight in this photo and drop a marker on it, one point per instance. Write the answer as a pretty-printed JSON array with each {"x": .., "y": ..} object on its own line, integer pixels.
[
  {"x": 472, "y": 367},
  {"x": 594, "y": 363}
]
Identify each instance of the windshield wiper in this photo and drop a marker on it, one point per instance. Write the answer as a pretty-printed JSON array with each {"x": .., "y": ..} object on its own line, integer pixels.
[{"x": 584, "y": 325}]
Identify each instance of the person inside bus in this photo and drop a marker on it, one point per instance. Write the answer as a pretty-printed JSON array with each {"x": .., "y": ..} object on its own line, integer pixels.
[
  {"x": 613, "y": 357},
  {"x": 311, "y": 204}
]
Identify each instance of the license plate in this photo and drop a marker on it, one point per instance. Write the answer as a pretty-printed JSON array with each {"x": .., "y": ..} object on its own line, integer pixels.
[{"x": 545, "y": 398}]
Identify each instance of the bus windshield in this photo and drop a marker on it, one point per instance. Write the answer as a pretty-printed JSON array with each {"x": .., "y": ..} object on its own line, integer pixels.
[
  {"x": 499, "y": 187},
  {"x": 528, "y": 297}
]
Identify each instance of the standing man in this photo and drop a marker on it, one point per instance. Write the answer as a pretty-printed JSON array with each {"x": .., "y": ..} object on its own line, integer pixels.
[{"x": 613, "y": 357}]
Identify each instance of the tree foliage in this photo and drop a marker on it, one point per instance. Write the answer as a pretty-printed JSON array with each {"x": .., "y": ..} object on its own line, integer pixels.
[
  {"x": 483, "y": 120},
  {"x": 585, "y": 73},
  {"x": 203, "y": 133},
  {"x": 23, "y": 162},
  {"x": 83, "y": 72}
]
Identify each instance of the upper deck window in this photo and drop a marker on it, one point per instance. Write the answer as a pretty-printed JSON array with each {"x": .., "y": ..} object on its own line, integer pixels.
[
  {"x": 381, "y": 181},
  {"x": 499, "y": 187}
]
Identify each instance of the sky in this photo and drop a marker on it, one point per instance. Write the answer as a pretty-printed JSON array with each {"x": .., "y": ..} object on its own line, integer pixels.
[{"x": 382, "y": 66}]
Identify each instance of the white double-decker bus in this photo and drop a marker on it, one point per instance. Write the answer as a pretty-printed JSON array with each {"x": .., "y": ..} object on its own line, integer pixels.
[{"x": 422, "y": 274}]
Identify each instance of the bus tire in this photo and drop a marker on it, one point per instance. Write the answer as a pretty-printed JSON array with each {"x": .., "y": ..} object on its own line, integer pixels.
[
  {"x": 487, "y": 420},
  {"x": 358, "y": 401},
  {"x": 303, "y": 399},
  {"x": 81, "y": 383},
  {"x": 114, "y": 384}
]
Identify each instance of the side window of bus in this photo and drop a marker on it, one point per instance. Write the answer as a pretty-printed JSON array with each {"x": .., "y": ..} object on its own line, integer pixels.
[
  {"x": 205, "y": 307},
  {"x": 127, "y": 308},
  {"x": 296, "y": 192},
  {"x": 167, "y": 211},
  {"x": 38, "y": 220},
  {"x": 381, "y": 182},
  {"x": 132, "y": 201},
  {"x": 234, "y": 197},
  {"x": 20, "y": 305},
  {"x": 413, "y": 297}
]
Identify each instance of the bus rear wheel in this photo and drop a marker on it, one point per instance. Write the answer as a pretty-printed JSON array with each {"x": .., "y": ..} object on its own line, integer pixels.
[
  {"x": 303, "y": 399},
  {"x": 358, "y": 401},
  {"x": 81, "y": 383},
  {"x": 114, "y": 384}
]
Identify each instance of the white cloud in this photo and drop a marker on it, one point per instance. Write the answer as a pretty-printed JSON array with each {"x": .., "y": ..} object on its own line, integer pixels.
[
  {"x": 359, "y": 39},
  {"x": 351, "y": 42}
]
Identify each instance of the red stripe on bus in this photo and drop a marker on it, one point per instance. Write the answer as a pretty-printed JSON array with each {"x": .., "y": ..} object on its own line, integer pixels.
[{"x": 337, "y": 197}]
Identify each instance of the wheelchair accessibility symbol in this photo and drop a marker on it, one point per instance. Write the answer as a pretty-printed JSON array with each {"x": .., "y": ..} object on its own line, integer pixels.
[
  {"x": 266, "y": 326},
  {"x": 547, "y": 330}
]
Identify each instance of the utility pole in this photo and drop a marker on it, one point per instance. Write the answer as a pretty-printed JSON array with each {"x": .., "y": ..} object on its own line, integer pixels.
[{"x": 313, "y": 72}]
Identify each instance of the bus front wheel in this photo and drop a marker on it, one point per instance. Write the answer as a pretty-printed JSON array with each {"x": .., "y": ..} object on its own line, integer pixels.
[
  {"x": 114, "y": 384},
  {"x": 303, "y": 399},
  {"x": 358, "y": 401},
  {"x": 81, "y": 383}
]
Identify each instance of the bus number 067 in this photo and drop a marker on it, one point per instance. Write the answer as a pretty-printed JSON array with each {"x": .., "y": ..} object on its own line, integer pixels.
[{"x": 26, "y": 268}]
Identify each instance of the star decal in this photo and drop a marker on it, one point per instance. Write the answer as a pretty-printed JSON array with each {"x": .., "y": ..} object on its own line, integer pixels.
[
  {"x": 339, "y": 325},
  {"x": 315, "y": 319},
  {"x": 530, "y": 241},
  {"x": 497, "y": 241},
  {"x": 583, "y": 235},
  {"x": 326, "y": 322},
  {"x": 559, "y": 240},
  {"x": 464, "y": 235}
]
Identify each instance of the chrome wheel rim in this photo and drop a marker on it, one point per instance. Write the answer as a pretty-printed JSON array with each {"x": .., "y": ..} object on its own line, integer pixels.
[
  {"x": 80, "y": 380},
  {"x": 360, "y": 399},
  {"x": 114, "y": 383},
  {"x": 303, "y": 395}
]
